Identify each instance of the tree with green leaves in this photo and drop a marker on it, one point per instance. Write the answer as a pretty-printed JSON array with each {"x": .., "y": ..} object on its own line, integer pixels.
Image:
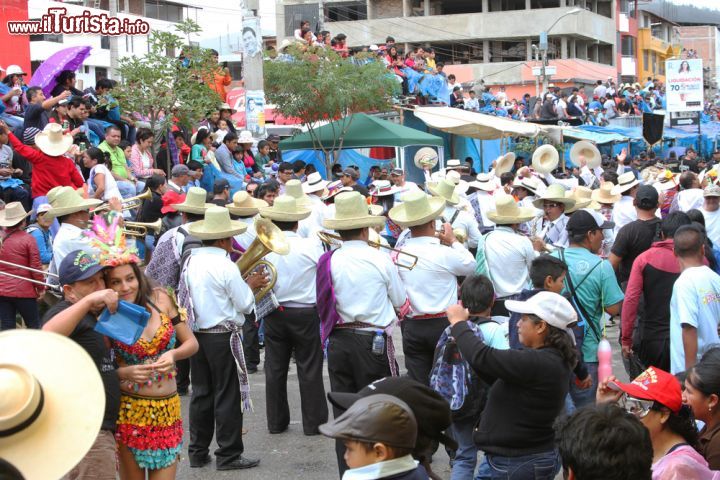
[
  {"x": 315, "y": 84},
  {"x": 161, "y": 87}
]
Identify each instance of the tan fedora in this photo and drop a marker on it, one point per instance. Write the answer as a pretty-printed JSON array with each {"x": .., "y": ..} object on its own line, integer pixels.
[
  {"x": 507, "y": 211},
  {"x": 285, "y": 208},
  {"x": 545, "y": 159},
  {"x": 583, "y": 199},
  {"x": 40, "y": 407},
  {"x": 194, "y": 202},
  {"x": 67, "y": 200},
  {"x": 51, "y": 140},
  {"x": 504, "y": 163},
  {"x": 484, "y": 182},
  {"x": 625, "y": 182},
  {"x": 294, "y": 189},
  {"x": 351, "y": 212},
  {"x": 217, "y": 225},
  {"x": 244, "y": 205},
  {"x": 554, "y": 193},
  {"x": 588, "y": 151},
  {"x": 314, "y": 183},
  {"x": 13, "y": 214},
  {"x": 604, "y": 195},
  {"x": 417, "y": 208},
  {"x": 445, "y": 189},
  {"x": 426, "y": 158}
]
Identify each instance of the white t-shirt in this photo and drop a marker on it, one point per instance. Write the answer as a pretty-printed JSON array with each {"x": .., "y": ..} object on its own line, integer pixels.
[
  {"x": 111, "y": 188},
  {"x": 696, "y": 302},
  {"x": 712, "y": 225}
]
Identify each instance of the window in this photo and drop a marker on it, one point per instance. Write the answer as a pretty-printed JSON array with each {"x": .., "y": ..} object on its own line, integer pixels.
[
  {"x": 627, "y": 46},
  {"x": 646, "y": 63},
  {"x": 161, "y": 10},
  {"x": 86, "y": 69},
  {"x": 341, "y": 12},
  {"x": 295, "y": 13},
  {"x": 129, "y": 47},
  {"x": 105, "y": 42},
  {"x": 100, "y": 73},
  {"x": 46, "y": 37}
]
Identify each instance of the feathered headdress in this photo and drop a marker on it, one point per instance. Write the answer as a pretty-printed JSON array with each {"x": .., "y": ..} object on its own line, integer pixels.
[{"x": 110, "y": 240}]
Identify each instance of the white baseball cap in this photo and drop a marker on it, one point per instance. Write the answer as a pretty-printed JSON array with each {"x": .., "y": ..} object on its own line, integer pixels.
[{"x": 550, "y": 307}]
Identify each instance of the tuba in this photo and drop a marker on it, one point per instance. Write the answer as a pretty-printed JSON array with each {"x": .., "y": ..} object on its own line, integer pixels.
[
  {"x": 588, "y": 151},
  {"x": 269, "y": 239},
  {"x": 545, "y": 159}
]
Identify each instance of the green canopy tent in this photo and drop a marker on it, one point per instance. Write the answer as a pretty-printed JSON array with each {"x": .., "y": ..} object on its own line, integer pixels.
[{"x": 366, "y": 131}]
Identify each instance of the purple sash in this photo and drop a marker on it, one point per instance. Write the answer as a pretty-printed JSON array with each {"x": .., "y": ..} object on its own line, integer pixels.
[
  {"x": 329, "y": 317},
  {"x": 237, "y": 251}
]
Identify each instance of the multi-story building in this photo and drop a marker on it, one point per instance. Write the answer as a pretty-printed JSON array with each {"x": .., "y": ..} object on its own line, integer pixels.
[
  {"x": 627, "y": 27},
  {"x": 487, "y": 39},
  {"x": 703, "y": 41},
  {"x": 658, "y": 40}
]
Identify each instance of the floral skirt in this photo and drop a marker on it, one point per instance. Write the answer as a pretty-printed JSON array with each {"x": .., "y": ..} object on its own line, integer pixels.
[{"x": 151, "y": 428}]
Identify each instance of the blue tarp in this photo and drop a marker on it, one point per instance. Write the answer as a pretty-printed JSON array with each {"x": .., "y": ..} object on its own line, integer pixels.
[{"x": 347, "y": 157}]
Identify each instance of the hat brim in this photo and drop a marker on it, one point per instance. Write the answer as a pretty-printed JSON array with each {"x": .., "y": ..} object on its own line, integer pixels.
[
  {"x": 369, "y": 221},
  {"x": 393, "y": 190},
  {"x": 454, "y": 198},
  {"x": 599, "y": 198},
  {"x": 620, "y": 189},
  {"x": 530, "y": 189},
  {"x": 90, "y": 272},
  {"x": 568, "y": 202},
  {"x": 87, "y": 204},
  {"x": 273, "y": 214},
  {"x": 524, "y": 215},
  {"x": 307, "y": 188},
  {"x": 196, "y": 229},
  {"x": 505, "y": 163},
  {"x": 579, "y": 205},
  {"x": 64, "y": 420},
  {"x": 519, "y": 306},
  {"x": 54, "y": 149},
  {"x": 632, "y": 390},
  {"x": 399, "y": 213},
  {"x": 5, "y": 222},
  {"x": 484, "y": 186},
  {"x": 181, "y": 207}
]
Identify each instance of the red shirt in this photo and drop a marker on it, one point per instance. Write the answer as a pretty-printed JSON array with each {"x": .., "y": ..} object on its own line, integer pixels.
[{"x": 48, "y": 171}]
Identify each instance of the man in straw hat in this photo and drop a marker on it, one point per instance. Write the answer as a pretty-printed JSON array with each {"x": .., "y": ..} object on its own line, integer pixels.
[
  {"x": 504, "y": 255},
  {"x": 75, "y": 316},
  {"x": 624, "y": 210},
  {"x": 295, "y": 189},
  {"x": 549, "y": 230},
  {"x": 219, "y": 300},
  {"x": 458, "y": 219},
  {"x": 18, "y": 248},
  {"x": 315, "y": 188},
  {"x": 432, "y": 285},
  {"x": 358, "y": 290},
  {"x": 481, "y": 200},
  {"x": 294, "y": 326}
]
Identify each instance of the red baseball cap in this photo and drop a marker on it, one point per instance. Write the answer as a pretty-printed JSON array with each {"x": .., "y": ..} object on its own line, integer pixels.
[
  {"x": 654, "y": 384},
  {"x": 169, "y": 199}
]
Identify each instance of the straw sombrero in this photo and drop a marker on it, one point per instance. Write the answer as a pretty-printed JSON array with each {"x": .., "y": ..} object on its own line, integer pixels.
[
  {"x": 335, "y": 188},
  {"x": 51, "y": 140},
  {"x": 383, "y": 188},
  {"x": 484, "y": 182},
  {"x": 417, "y": 208},
  {"x": 583, "y": 199},
  {"x": 545, "y": 159},
  {"x": 216, "y": 225},
  {"x": 507, "y": 211},
  {"x": 244, "y": 205},
  {"x": 194, "y": 202},
  {"x": 531, "y": 184},
  {"x": 285, "y": 208},
  {"x": 40, "y": 407},
  {"x": 667, "y": 181},
  {"x": 67, "y": 200},
  {"x": 294, "y": 189},
  {"x": 604, "y": 194},
  {"x": 461, "y": 186},
  {"x": 504, "y": 163},
  {"x": 625, "y": 182},
  {"x": 314, "y": 183},
  {"x": 445, "y": 189},
  {"x": 351, "y": 212},
  {"x": 554, "y": 193},
  {"x": 13, "y": 214},
  {"x": 426, "y": 157}
]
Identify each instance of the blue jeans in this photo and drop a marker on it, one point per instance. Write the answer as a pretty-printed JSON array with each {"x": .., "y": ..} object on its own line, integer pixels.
[
  {"x": 539, "y": 466},
  {"x": 463, "y": 467},
  {"x": 127, "y": 188},
  {"x": 581, "y": 398}
]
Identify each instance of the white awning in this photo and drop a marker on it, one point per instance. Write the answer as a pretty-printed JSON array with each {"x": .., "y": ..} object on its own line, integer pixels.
[{"x": 473, "y": 124}]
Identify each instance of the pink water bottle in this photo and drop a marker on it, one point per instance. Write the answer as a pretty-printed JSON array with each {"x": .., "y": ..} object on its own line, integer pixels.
[{"x": 604, "y": 360}]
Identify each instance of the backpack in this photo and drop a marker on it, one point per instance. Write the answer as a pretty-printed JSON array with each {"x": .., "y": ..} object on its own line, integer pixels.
[{"x": 454, "y": 379}]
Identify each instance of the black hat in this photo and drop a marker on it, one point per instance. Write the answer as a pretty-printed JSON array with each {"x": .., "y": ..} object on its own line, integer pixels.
[
  {"x": 585, "y": 220},
  {"x": 220, "y": 185},
  {"x": 647, "y": 198},
  {"x": 431, "y": 410}
]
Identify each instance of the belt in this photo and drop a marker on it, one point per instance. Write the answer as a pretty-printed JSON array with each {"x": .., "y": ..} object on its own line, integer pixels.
[
  {"x": 426, "y": 316},
  {"x": 297, "y": 305},
  {"x": 357, "y": 331},
  {"x": 215, "y": 329}
]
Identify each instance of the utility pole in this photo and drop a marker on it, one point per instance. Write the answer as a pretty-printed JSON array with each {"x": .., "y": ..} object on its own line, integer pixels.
[
  {"x": 543, "y": 59},
  {"x": 321, "y": 16},
  {"x": 113, "y": 10},
  {"x": 253, "y": 72}
]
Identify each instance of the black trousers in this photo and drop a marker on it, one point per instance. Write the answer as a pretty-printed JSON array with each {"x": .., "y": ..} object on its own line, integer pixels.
[
  {"x": 183, "y": 374},
  {"x": 288, "y": 329},
  {"x": 215, "y": 402},
  {"x": 654, "y": 352},
  {"x": 351, "y": 367},
  {"x": 419, "y": 339},
  {"x": 26, "y": 307},
  {"x": 251, "y": 342}
]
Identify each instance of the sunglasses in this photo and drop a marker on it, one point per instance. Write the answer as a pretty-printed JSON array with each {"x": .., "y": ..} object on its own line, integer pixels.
[{"x": 635, "y": 406}]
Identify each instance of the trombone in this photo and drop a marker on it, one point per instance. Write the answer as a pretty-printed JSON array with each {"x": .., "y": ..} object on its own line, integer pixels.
[
  {"x": 269, "y": 239},
  {"x": 333, "y": 239},
  {"x": 130, "y": 203},
  {"x": 141, "y": 229},
  {"x": 32, "y": 280}
]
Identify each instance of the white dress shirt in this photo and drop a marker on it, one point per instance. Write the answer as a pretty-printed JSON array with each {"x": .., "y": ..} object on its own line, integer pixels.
[
  {"x": 553, "y": 233},
  {"x": 68, "y": 239},
  {"x": 432, "y": 285},
  {"x": 486, "y": 202},
  {"x": 508, "y": 256},
  {"x": 367, "y": 285},
  {"x": 623, "y": 212},
  {"x": 463, "y": 221},
  {"x": 712, "y": 225},
  {"x": 309, "y": 227},
  {"x": 218, "y": 292},
  {"x": 296, "y": 271},
  {"x": 690, "y": 199},
  {"x": 246, "y": 238}
]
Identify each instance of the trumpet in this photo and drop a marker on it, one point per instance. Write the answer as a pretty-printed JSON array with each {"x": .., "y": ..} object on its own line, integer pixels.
[
  {"x": 269, "y": 239},
  {"x": 141, "y": 229},
  {"x": 130, "y": 203},
  {"x": 333, "y": 239}
]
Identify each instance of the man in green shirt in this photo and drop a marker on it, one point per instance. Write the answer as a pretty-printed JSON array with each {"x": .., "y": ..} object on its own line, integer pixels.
[{"x": 120, "y": 171}]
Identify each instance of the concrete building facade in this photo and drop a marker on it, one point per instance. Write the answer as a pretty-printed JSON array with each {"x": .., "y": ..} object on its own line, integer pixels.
[
  {"x": 703, "y": 42},
  {"x": 658, "y": 41}
]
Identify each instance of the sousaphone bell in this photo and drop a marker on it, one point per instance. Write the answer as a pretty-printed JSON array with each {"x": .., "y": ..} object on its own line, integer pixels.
[{"x": 269, "y": 239}]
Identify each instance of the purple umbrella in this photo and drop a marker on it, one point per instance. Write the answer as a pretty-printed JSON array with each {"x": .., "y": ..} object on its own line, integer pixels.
[{"x": 66, "y": 59}]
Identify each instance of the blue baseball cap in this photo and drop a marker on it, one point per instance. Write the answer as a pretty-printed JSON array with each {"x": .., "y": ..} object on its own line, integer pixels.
[{"x": 77, "y": 266}]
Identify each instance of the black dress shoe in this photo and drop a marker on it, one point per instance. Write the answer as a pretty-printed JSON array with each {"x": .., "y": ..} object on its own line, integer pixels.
[
  {"x": 239, "y": 464},
  {"x": 276, "y": 431},
  {"x": 200, "y": 462}
]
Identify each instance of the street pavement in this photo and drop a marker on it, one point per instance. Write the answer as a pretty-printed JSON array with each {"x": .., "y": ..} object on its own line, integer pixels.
[{"x": 292, "y": 455}]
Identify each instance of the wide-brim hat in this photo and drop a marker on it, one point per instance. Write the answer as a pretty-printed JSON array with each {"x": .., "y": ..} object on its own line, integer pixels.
[
  {"x": 314, "y": 183},
  {"x": 588, "y": 151},
  {"x": 383, "y": 188},
  {"x": 554, "y": 193},
  {"x": 67, "y": 200},
  {"x": 244, "y": 205},
  {"x": 335, "y": 188},
  {"x": 484, "y": 182},
  {"x": 245, "y": 137},
  {"x": 504, "y": 163},
  {"x": 351, "y": 212},
  {"x": 461, "y": 186},
  {"x": 417, "y": 208},
  {"x": 426, "y": 157},
  {"x": 583, "y": 199},
  {"x": 604, "y": 194},
  {"x": 225, "y": 106},
  {"x": 51, "y": 141},
  {"x": 13, "y": 214},
  {"x": 217, "y": 225},
  {"x": 40, "y": 400},
  {"x": 445, "y": 189},
  {"x": 667, "y": 181},
  {"x": 545, "y": 159},
  {"x": 508, "y": 212},
  {"x": 194, "y": 202},
  {"x": 625, "y": 182},
  {"x": 213, "y": 135},
  {"x": 528, "y": 183},
  {"x": 285, "y": 208},
  {"x": 294, "y": 188}
]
